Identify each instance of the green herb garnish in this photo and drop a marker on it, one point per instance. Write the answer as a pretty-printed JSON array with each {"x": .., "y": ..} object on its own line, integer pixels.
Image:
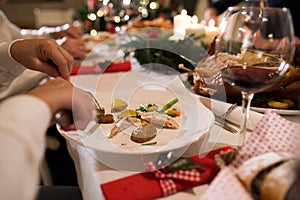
[
  {"x": 169, "y": 105},
  {"x": 149, "y": 143},
  {"x": 183, "y": 164}
]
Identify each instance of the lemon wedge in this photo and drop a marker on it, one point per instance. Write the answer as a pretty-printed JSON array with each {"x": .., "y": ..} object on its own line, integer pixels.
[
  {"x": 118, "y": 105},
  {"x": 278, "y": 105}
]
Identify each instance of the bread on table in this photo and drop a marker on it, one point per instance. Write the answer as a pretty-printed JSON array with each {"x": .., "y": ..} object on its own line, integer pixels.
[{"x": 268, "y": 176}]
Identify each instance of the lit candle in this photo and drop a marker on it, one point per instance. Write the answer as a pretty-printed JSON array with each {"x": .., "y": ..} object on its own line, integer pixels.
[
  {"x": 180, "y": 23},
  {"x": 195, "y": 29},
  {"x": 211, "y": 31}
]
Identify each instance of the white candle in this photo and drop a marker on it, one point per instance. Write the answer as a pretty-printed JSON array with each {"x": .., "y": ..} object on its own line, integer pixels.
[
  {"x": 211, "y": 31},
  {"x": 195, "y": 29},
  {"x": 180, "y": 23}
]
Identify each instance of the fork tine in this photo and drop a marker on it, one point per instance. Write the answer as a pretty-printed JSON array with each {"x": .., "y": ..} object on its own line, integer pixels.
[{"x": 229, "y": 110}]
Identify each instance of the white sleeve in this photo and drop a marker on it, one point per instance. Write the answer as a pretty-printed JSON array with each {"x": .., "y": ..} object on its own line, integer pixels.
[
  {"x": 23, "y": 122},
  {"x": 9, "y": 31},
  {"x": 9, "y": 67}
]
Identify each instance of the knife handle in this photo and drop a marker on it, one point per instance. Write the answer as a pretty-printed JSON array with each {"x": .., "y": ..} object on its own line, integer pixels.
[{"x": 64, "y": 118}]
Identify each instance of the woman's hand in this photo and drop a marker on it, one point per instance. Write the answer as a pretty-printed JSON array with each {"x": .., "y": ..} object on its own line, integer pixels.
[
  {"x": 75, "y": 47},
  {"x": 43, "y": 55},
  {"x": 60, "y": 94}
]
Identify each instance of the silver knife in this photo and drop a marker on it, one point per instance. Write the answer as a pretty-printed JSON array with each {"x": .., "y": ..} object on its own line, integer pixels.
[{"x": 223, "y": 123}]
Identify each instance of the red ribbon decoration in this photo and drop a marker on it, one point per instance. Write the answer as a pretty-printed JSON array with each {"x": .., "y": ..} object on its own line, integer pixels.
[{"x": 147, "y": 186}]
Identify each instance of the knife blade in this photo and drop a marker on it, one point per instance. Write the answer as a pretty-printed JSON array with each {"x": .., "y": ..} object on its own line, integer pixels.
[{"x": 223, "y": 123}]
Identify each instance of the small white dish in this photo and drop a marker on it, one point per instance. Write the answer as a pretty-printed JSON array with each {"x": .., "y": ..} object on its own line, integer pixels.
[{"x": 278, "y": 111}]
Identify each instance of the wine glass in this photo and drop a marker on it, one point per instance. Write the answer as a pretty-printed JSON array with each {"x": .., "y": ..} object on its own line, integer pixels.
[
  {"x": 253, "y": 51},
  {"x": 120, "y": 12}
]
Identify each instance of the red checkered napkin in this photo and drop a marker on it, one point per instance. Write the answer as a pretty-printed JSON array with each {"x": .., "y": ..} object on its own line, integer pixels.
[
  {"x": 226, "y": 186},
  {"x": 273, "y": 133},
  {"x": 156, "y": 183},
  {"x": 166, "y": 182}
]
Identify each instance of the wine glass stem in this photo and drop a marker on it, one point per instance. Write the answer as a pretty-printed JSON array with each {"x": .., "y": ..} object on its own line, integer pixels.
[{"x": 247, "y": 97}]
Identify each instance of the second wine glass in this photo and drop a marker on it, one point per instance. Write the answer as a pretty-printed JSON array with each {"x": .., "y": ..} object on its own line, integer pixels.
[{"x": 253, "y": 52}]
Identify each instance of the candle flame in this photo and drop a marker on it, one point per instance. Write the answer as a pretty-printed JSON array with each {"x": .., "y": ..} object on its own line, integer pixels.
[
  {"x": 183, "y": 12},
  {"x": 194, "y": 19},
  {"x": 211, "y": 23}
]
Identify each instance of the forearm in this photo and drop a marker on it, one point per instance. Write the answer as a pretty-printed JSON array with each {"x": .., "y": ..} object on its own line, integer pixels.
[{"x": 23, "y": 123}]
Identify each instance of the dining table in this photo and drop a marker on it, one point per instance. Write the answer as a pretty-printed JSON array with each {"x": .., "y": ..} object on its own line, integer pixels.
[{"x": 91, "y": 172}]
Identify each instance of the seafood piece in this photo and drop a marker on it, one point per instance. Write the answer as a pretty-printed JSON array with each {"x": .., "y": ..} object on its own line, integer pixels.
[
  {"x": 105, "y": 119},
  {"x": 160, "y": 120},
  {"x": 144, "y": 133},
  {"x": 120, "y": 125}
]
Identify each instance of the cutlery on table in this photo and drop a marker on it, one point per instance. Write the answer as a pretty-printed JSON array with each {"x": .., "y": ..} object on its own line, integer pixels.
[{"x": 221, "y": 120}]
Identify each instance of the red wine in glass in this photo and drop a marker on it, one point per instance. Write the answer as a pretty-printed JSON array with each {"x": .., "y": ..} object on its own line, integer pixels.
[{"x": 250, "y": 79}]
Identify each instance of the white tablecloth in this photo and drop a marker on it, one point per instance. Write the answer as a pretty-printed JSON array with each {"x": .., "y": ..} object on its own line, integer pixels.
[{"x": 91, "y": 173}]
